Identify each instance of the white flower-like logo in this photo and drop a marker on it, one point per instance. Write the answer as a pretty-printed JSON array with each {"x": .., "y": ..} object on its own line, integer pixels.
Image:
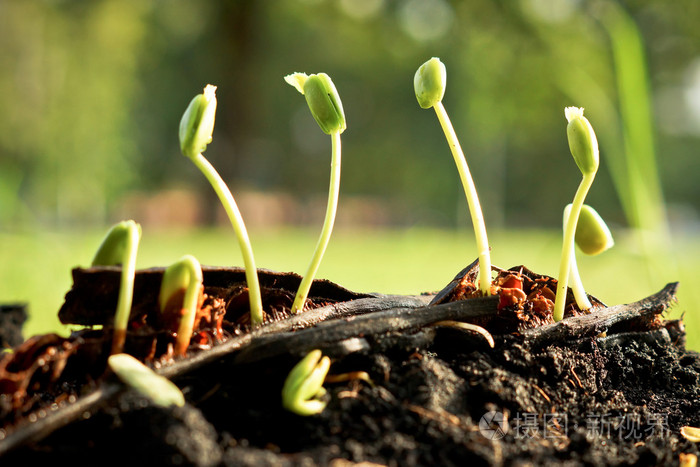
[{"x": 493, "y": 425}]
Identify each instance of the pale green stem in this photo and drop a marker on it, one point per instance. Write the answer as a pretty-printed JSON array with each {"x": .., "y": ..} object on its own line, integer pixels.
[
  {"x": 304, "y": 385},
  {"x": 126, "y": 292},
  {"x": 333, "y": 194},
  {"x": 190, "y": 305},
  {"x": 568, "y": 245},
  {"x": 477, "y": 217},
  {"x": 234, "y": 215},
  {"x": 577, "y": 286}
]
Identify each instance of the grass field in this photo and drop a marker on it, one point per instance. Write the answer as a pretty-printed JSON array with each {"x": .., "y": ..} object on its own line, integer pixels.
[{"x": 36, "y": 266}]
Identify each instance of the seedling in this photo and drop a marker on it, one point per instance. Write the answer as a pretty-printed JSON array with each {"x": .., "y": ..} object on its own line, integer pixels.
[
  {"x": 303, "y": 388},
  {"x": 196, "y": 128},
  {"x": 584, "y": 148},
  {"x": 138, "y": 376},
  {"x": 181, "y": 294},
  {"x": 119, "y": 247},
  {"x": 327, "y": 109},
  {"x": 592, "y": 237},
  {"x": 429, "y": 84}
]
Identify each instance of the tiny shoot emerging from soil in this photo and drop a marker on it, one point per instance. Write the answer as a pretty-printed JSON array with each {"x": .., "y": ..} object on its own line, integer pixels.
[
  {"x": 161, "y": 391},
  {"x": 584, "y": 148},
  {"x": 119, "y": 247},
  {"x": 303, "y": 388},
  {"x": 592, "y": 237},
  {"x": 196, "y": 128},
  {"x": 429, "y": 84},
  {"x": 325, "y": 105},
  {"x": 181, "y": 294}
]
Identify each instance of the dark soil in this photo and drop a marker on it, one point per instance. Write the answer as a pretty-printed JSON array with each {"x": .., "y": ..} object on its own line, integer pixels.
[{"x": 574, "y": 398}]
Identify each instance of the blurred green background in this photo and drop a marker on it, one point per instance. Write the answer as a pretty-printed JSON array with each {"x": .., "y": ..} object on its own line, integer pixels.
[{"x": 92, "y": 93}]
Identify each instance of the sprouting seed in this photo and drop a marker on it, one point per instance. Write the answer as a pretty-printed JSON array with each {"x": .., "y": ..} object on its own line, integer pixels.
[
  {"x": 119, "y": 247},
  {"x": 325, "y": 106},
  {"x": 583, "y": 145},
  {"x": 429, "y": 85},
  {"x": 592, "y": 237},
  {"x": 181, "y": 293},
  {"x": 196, "y": 129},
  {"x": 303, "y": 388},
  {"x": 161, "y": 391}
]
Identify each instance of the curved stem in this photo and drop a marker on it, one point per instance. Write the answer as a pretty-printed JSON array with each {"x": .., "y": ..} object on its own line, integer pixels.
[
  {"x": 126, "y": 291},
  {"x": 234, "y": 215},
  {"x": 577, "y": 286},
  {"x": 333, "y": 194},
  {"x": 477, "y": 217},
  {"x": 568, "y": 246}
]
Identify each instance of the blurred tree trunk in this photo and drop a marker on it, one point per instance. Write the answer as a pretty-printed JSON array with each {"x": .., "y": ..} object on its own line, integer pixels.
[{"x": 235, "y": 34}]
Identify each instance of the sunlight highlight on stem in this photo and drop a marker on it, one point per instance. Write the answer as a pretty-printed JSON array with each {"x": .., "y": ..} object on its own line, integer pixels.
[
  {"x": 251, "y": 272},
  {"x": 577, "y": 285},
  {"x": 568, "y": 245},
  {"x": 472, "y": 199},
  {"x": 322, "y": 244}
]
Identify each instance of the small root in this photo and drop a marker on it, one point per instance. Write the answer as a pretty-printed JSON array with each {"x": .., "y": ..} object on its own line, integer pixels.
[{"x": 468, "y": 327}]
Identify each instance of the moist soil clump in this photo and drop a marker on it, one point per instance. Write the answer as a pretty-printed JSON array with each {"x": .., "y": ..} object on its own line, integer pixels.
[{"x": 416, "y": 395}]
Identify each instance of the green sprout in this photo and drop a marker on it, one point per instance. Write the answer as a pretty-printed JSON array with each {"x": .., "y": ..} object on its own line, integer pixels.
[
  {"x": 135, "y": 374},
  {"x": 180, "y": 293},
  {"x": 325, "y": 105},
  {"x": 196, "y": 128},
  {"x": 592, "y": 237},
  {"x": 303, "y": 387},
  {"x": 119, "y": 247},
  {"x": 584, "y": 148},
  {"x": 429, "y": 84}
]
